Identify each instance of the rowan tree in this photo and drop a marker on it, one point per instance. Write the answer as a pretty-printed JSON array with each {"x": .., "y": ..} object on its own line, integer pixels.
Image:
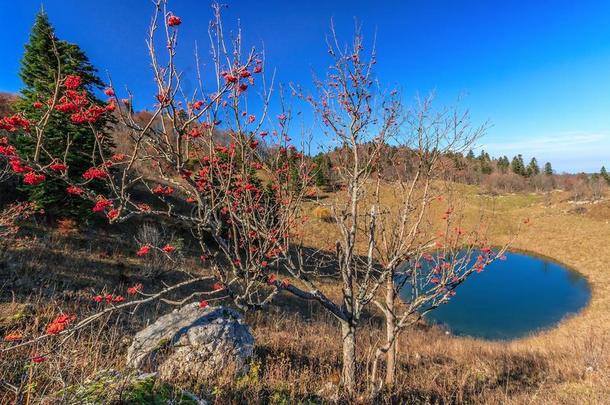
[
  {"x": 195, "y": 160},
  {"x": 375, "y": 238}
]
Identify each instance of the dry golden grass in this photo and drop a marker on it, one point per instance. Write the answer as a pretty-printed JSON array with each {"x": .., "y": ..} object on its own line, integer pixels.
[
  {"x": 322, "y": 213},
  {"x": 297, "y": 350},
  {"x": 573, "y": 357}
]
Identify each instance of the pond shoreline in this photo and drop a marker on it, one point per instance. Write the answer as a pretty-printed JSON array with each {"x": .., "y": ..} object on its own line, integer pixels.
[{"x": 514, "y": 299}]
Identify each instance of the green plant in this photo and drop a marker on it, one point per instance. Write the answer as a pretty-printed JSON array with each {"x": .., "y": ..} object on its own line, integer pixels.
[{"x": 46, "y": 60}]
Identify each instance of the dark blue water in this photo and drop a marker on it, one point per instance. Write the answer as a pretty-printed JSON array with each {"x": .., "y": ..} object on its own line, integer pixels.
[{"x": 513, "y": 298}]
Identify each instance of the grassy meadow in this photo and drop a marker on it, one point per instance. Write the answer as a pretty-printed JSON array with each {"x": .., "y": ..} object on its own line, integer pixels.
[{"x": 297, "y": 353}]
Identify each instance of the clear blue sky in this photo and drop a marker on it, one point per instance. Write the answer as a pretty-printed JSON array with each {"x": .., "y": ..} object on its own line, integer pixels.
[{"x": 539, "y": 71}]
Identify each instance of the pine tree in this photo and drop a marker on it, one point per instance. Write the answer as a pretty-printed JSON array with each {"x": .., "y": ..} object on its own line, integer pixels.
[
  {"x": 470, "y": 155},
  {"x": 503, "y": 164},
  {"x": 322, "y": 173},
  {"x": 548, "y": 169},
  {"x": 604, "y": 174},
  {"x": 518, "y": 166},
  {"x": 44, "y": 59},
  {"x": 533, "y": 169}
]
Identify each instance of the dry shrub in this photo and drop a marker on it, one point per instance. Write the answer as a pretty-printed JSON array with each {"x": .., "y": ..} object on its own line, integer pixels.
[
  {"x": 98, "y": 347},
  {"x": 504, "y": 183},
  {"x": 11, "y": 218},
  {"x": 66, "y": 227},
  {"x": 543, "y": 182},
  {"x": 7, "y": 101},
  {"x": 584, "y": 187},
  {"x": 322, "y": 213}
]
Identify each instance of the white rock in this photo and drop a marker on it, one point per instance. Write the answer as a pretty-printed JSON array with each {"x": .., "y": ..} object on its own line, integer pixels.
[{"x": 194, "y": 343}]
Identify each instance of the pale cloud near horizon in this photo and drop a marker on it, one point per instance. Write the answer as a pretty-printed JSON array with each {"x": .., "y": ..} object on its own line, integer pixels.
[{"x": 569, "y": 151}]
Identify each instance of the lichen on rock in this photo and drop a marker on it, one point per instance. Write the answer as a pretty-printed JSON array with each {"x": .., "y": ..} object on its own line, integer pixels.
[{"x": 193, "y": 344}]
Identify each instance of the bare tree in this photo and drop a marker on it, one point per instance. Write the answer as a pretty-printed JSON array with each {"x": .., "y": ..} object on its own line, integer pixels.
[{"x": 381, "y": 240}]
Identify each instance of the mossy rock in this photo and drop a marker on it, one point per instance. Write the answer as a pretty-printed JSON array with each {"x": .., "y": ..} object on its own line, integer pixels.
[{"x": 111, "y": 387}]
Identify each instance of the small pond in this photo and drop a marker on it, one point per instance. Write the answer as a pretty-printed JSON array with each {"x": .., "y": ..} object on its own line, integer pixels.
[{"x": 513, "y": 298}]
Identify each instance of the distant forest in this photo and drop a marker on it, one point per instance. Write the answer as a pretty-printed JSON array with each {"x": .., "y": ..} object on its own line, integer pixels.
[{"x": 496, "y": 175}]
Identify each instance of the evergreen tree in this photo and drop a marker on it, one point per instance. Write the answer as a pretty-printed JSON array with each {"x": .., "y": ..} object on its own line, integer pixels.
[
  {"x": 295, "y": 177},
  {"x": 322, "y": 173},
  {"x": 292, "y": 176},
  {"x": 44, "y": 59},
  {"x": 486, "y": 168},
  {"x": 548, "y": 169},
  {"x": 458, "y": 161},
  {"x": 518, "y": 166},
  {"x": 503, "y": 164},
  {"x": 470, "y": 155},
  {"x": 484, "y": 160},
  {"x": 604, "y": 174},
  {"x": 533, "y": 169}
]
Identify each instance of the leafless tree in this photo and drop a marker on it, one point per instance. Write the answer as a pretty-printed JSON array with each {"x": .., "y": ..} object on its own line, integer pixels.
[{"x": 381, "y": 241}]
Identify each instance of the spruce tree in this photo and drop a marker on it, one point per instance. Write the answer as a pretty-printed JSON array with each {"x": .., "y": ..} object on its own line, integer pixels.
[
  {"x": 322, "y": 173},
  {"x": 548, "y": 169},
  {"x": 604, "y": 174},
  {"x": 503, "y": 164},
  {"x": 484, "y": 160},
  {"x": 517, "y": 165},
  {"x": 46, "y": 57},
  {"x": 532, "y": 168}
]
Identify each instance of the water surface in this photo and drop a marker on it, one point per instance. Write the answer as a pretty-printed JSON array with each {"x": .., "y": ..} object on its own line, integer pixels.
[{"x": 513, "y": 298}]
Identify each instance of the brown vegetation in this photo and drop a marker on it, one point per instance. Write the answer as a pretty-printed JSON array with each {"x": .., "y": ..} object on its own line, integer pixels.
[
  {"x": 297, "y": 353},
  {"x": 6, "y": 104}
]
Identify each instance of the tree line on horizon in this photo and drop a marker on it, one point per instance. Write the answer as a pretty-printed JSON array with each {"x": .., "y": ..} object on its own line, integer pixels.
[
  {"x": 512, "y": 174},
  {"x": 468, "y": 168}
]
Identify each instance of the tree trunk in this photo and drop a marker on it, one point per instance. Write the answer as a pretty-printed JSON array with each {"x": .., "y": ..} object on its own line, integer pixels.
[
  {"x": 348, "y": 374},
  {"x": 390, "y": 372},
  {"x": 390, "y": 320}
]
